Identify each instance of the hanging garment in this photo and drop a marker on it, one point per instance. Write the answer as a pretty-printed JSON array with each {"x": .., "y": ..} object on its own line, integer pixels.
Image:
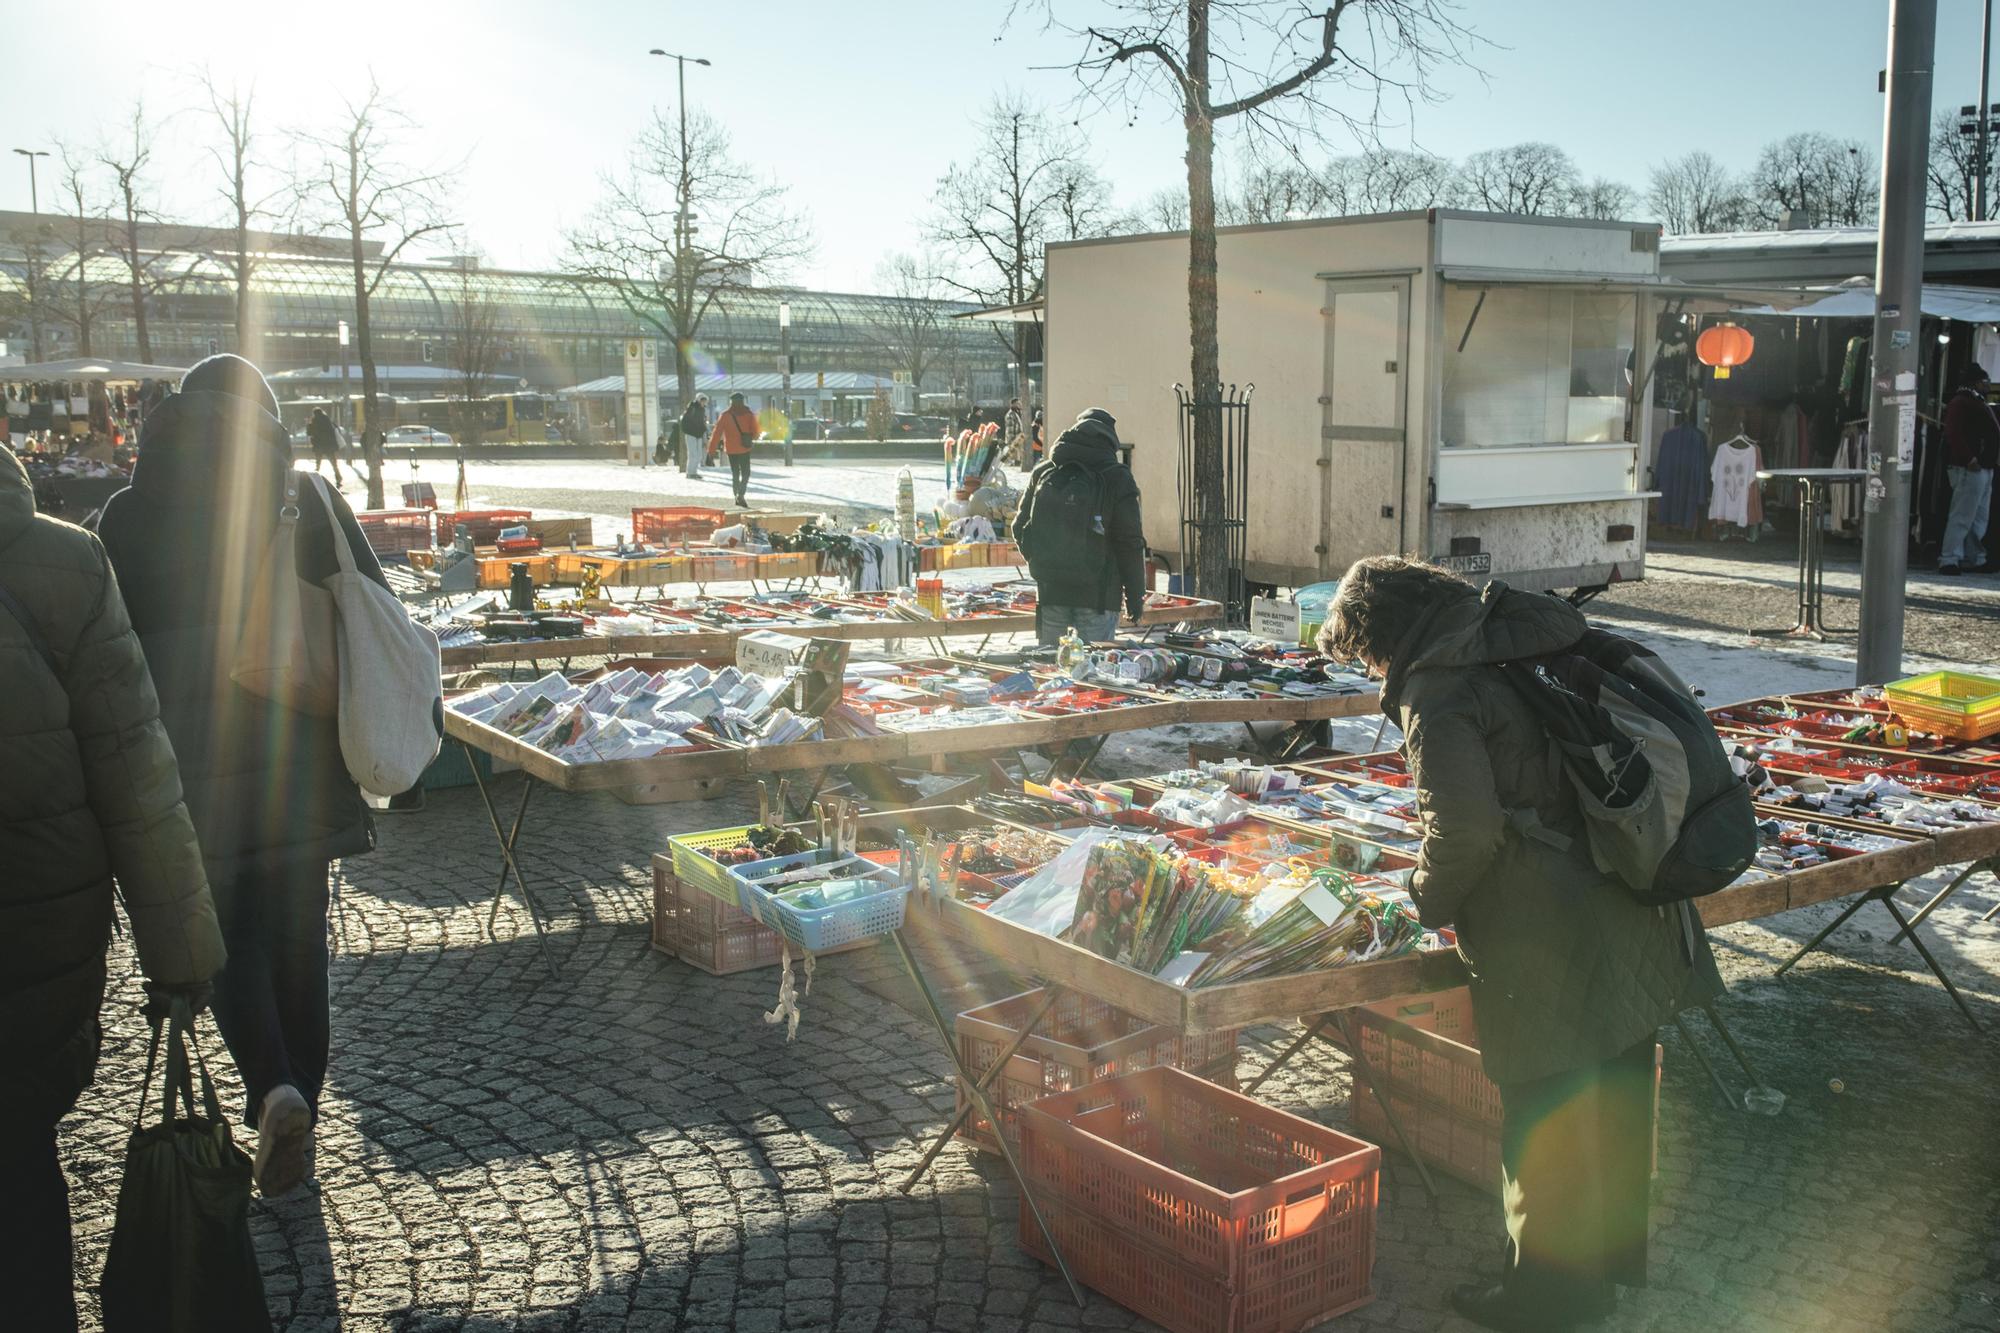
[
  {"x": 1854, "y": 378},
  {"x": 1986, "y": 350},
  {"x": 1681, "y": 475},
  {"x": 1844, "y": 502},
  {"x": 1733, "y": 477}
]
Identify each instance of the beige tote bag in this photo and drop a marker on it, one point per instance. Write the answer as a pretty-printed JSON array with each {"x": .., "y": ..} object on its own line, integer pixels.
[{"x": 285, "y": 649}]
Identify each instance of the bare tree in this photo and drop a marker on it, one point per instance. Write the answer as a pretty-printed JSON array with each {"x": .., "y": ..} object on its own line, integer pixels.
[
  {"x": 1163, "y": 210},
  {"x": 1395, "y": 180},
  {"x": 472, "y": 345},
  {"x": 1279, "y": 194},
  {"x": 1827, "y": 181},
  {"x": 249, "y": 202},
  {"x": 1527, "y": 178},
  {"x": 1025, "y": 183},
  {"x": 1603, "y": 198},
  {"x": 85, "y": 232},
  {"x": 685, "y": 227},
  {"x": 127, "y": 162},
  {"x": 361, "y": 185},
  {"x": 1952, "y": 172},
  {"x": 1282, "y": 67},
  {"x": 1694, "y": 194},
  {"x": 913, "y": 330}
]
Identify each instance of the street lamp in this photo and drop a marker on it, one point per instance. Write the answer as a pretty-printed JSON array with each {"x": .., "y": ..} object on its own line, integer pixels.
[
  {"x": 785, "y": 371},
  {"x": 683, "y": 224},
  {"x": 346, "y": 403},
  {"x": 35, "y": 240}
]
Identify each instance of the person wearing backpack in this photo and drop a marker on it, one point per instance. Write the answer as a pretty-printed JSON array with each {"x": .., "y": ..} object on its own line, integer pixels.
[
  {"x": 1080, "y": 528},
  {"x": 1570, "y": 971},
  {"x": 267, "y": 786},
  {"x": 88, "y": 791}
]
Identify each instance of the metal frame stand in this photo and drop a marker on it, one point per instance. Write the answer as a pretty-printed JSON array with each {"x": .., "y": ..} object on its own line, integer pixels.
[
  {"x": 977, "y": 1089},
  {"x": 1886, "y": 895},
  {"x": 1991, "y": 865},
  {"x": 1812, "y": 566},
  {"x": 1729, "y": 1040},
  {"x": 507, "y": 839}
]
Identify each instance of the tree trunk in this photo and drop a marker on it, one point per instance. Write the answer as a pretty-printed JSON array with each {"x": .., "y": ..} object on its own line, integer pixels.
[
  {"x": 138, "y": 285},
  {"x": 371, "y": 417},
  {"x": 246, "y": 346},
  {"x": 1209, "y": 560}
]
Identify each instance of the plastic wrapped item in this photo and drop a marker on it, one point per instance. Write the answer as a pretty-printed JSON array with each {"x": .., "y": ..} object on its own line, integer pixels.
[{"x": 1045, "y": 902}]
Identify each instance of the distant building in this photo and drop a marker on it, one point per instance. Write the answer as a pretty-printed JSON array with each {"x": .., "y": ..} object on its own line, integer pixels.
[{"x": 552, "y": 330}]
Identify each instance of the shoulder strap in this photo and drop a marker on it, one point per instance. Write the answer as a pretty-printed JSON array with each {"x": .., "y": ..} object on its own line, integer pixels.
[
  {"x": 33, "y": 631},
  {"x": 343, "y": 556}
]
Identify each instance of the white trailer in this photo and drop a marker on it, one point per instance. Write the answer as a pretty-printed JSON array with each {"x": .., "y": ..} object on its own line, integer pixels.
[{"x": 1464, "y": 386}]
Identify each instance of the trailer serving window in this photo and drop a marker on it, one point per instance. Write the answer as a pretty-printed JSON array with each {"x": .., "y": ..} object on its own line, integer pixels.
[{"x": 1535, "y": 365}]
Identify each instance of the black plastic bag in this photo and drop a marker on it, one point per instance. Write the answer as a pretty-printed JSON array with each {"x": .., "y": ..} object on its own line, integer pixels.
[{"x": 181, "y": 1257}]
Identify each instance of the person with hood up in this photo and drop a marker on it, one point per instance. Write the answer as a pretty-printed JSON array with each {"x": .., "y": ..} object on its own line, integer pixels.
[
  {"x": 694, "y": 433},
  {"x": 1570, "y": 974},
  {"x": 1972, "y": 451},
  {"x": 267, "y": 787},
  {"x": 735, "y": 431},
  {"x": 88, "y": 792},
  {"x": 324, "y": 437},
  {"x": 1080, "y": 528}
]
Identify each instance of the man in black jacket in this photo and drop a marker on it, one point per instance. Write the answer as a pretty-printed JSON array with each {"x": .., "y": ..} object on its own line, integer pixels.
[
  {"x": 1080, "y": 529},
  {"x": 694, "y": 434}
]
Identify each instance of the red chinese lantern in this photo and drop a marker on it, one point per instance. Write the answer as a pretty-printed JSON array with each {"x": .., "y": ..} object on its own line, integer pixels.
[{"x": 1723, "y": 346}]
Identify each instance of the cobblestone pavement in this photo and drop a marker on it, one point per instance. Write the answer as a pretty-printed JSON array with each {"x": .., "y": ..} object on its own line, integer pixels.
[{"x": 627, "y": 1146}]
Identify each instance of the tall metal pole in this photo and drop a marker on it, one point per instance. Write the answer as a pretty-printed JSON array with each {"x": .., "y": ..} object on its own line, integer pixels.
[
  {"x": 1899, "y": 280},
  {"x": 34, "y": 254},
  {"x": 1985, "y": 142},
  {"x": 785, "y": 372}
]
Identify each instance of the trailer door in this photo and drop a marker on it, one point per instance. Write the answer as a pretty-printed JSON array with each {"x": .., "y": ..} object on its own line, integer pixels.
[{"x": 1362, "y": 439}]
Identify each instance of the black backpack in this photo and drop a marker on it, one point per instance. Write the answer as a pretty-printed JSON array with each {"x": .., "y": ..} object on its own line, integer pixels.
[
  {"x": 1061, "y": 524},
  {"x": 1664, "y": 810}
]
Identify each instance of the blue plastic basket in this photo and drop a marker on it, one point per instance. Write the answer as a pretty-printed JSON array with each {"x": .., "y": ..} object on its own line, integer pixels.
[{"x": 818, "y": 929}]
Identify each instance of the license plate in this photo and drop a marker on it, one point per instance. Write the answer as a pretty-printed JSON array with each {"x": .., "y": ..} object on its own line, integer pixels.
[{"x": 1468, "y": 564}]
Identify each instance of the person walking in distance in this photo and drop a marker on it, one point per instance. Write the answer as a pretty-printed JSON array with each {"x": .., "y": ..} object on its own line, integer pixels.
[
  {"x": 1013, "y": 429},
  {"x": 1571, "y": 974},
  {"x": 735, "y": 431},
  {"x": 88, "y": 791},
  {"x": 1080, "y": 528},
  {"x": 267, "y": 787},
  {"x": 694, "y": 433},
  {"x": 325, "y": 441},
  {"x": 1971, "y": 451}
]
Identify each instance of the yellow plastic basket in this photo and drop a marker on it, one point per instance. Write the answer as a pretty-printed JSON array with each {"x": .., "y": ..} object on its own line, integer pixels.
[{"x": 1955, "y": 704}]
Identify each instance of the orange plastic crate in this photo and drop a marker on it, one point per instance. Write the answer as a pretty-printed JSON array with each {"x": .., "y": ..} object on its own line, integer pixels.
[
  {"x": 674, "y": 523},
  {"x": 788, "y": 565},
  {"x": 395, "y": 531},
  {"x": 721, "y": 566},
  {"x": 1199, "y": 1208},
  {"x": 484, "y": 523},
  {"x": 1079, "y": 1042}
]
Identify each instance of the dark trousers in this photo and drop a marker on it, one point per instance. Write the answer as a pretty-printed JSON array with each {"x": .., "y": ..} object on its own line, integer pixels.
[
  {"x": 1576, "y": 1168},
  {"x": 271, "y": 997},
  {"x": 35, "y": 1255},
  {"x": 739, "y": 476}
]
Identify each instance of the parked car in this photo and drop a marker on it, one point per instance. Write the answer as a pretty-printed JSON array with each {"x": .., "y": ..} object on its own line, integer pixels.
[
  {"x": 910, "y": 426},
  {"x": 417, "y": 435},
  {"x": 810, "y": 428},
  {"x": 850, "y": 430}
]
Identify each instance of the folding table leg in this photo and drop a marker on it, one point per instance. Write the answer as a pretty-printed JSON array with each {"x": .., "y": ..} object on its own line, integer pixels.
[
  {"x": 1729, "y": 1040},
  {"x": 983, "y": 1082},
  {"x": 1367, "y": 1075},
  {"x": 506, "y": 839},
  {"x": 1832, "y": 926},
  {"x": 1285, "y": 1056},
  {"x": 1687, "y": 1038},
  {"x": 1942, "y": 894},
  {"x": 1909, "y": 929},
  {"x": 986, "y": 1108}
]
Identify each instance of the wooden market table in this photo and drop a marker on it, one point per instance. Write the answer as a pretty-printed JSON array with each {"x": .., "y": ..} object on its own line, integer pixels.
[
  {"x": 700, "y": 772},
  {"x": 704, "y": 641}
]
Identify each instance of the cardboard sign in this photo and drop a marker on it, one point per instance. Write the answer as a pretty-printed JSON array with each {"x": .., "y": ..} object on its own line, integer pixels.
[
  {"x": 1274, "y": 620},
  {"x": 766, "y": 652}
]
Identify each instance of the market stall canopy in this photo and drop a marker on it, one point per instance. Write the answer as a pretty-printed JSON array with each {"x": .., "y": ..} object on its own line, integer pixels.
[
  {"x": 88, "y": 368},
  {"x": 1027, "y": 312},
  {"x": 1692, "y": 295},
  {"x": 768, "y": 381},
  {"x": 1856, "y": 300}
]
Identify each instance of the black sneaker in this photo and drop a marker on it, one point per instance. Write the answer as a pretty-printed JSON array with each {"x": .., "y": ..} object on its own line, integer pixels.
[{"x": 1950, "y": 571}]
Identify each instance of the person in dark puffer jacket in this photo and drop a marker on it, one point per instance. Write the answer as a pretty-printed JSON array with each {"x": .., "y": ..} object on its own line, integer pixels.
[
  {"x": 1570, "y": 974},
  {"x": 88, "y": 791},
  {"x": 267, "y": 787}
]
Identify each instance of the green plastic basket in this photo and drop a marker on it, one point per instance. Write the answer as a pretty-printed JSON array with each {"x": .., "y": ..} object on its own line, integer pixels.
[
  {"x": 1956, "y": 704},
  {"x": 694, "y": 867}
]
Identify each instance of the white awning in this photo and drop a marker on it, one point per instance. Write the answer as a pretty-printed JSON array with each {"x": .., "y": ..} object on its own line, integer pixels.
[
  {"x": 1027, "y": 312},
  {"x": 1643, "y": 284},
  {"x": 1856, "y": 300}
]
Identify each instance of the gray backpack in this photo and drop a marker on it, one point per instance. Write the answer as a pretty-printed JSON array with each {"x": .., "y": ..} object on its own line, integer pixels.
[{"x": 1664, "y": 811}]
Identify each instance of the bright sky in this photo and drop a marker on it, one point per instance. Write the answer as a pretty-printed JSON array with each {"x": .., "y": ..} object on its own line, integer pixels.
[{"x": 858, "y": 107}]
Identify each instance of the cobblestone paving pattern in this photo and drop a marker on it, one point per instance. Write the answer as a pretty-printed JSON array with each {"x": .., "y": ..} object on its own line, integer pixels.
[{"x": 628, "y": 1146}]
